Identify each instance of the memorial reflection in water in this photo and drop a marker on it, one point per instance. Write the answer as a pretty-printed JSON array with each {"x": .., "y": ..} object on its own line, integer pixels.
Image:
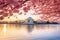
[{"x": 29, "y": 32}]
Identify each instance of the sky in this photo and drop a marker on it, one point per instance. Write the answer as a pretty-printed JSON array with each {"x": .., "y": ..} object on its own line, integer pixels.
[{"x": 15, "y": 10}]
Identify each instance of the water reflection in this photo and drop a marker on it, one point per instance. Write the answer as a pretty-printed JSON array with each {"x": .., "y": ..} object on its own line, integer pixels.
[
  {"x": 30, "y": 28},
  {"x": 29, "y": 32},
  {"x": 4, "y": 28}
]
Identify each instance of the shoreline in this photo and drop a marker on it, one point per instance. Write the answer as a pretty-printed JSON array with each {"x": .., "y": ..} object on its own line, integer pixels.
[{"x": 29, "y": 24}]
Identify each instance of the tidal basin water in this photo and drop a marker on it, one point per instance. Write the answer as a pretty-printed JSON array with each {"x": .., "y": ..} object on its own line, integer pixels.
[{"x": 29, "y": 32}]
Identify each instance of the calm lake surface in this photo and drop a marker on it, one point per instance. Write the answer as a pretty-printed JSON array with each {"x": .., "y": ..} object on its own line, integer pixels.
[{"x": 29, "y": 32}]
